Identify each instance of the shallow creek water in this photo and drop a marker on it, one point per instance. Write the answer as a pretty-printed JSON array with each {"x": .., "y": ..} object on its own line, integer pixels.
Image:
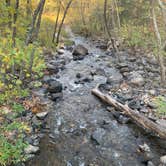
[{"x": 79, "y": 116}]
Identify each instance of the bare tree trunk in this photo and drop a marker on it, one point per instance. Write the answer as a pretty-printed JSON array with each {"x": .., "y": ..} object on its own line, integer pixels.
[
  {"x": 39, "y": 20},
  {"x": 8, "y": 3},
  {"x": 37, "y": 14},
  {"x": 117, "y": 14},
  {"x": 63, "y": 19},
  {"x": 82, "y": 13},
  {"x": 28, "y": 9},
  {"x": 14, "y": 22},
  {"x": 160, "y": 58},
  {"x": 56, "y": 22},
  {"x": 107, "y": 29}
]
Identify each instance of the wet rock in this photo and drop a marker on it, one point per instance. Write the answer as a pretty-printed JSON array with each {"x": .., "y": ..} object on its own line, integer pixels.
[
  {"x": 36, "y": 122},
  {"x": 61, "y": 51},
  {"x": 114, "y": 79},
  {"x": 136, "y": 79},
  {"x": 98, "y": 135},
  {"x": 55, "y": 96},
  {"x": 30, "y": 157},
  {"x": 163, "y": 160},
  {"x": 144, "y": 148},
  {"x": 79, "y": 52},
  {"x": 123, "y": 120},
  {"x": 134, "y": 104},
  {"x": 30, "y": 149},
  {"x": 52, "y": 69},
  {"x": 41, "y": 115},
  {"x": 150, "y": 163},
  {"x": 54, "y": 87},
  {"x": 78, "y": 75},
  {"x": 152, "y": 105},
  {"x": 122, "y": 65}
]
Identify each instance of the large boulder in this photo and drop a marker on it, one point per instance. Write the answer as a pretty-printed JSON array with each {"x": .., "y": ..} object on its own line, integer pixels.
[{"x": 79, "y": 52}]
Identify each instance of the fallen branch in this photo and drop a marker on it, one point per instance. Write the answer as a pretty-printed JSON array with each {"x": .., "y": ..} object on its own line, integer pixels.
[{"x": 135, "y": 116}]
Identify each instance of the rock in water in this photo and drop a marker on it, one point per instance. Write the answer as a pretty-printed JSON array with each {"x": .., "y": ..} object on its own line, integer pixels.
[
  {"x": 54, "y": 87},
  {"x": 163, "y": 160},
  {"x": 98, "y": 135},
  {"x": 42, "y": 115},
  {"x": 79, "y": 52},
  {"x": 31, "y": 149},
  {"x": 136, "y": 79}
]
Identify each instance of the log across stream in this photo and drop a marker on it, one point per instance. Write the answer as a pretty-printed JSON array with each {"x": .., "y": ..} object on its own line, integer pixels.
[{"x": 138, "y": 118}]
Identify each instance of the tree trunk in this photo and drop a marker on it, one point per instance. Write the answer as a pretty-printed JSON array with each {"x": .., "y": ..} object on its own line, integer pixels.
[
  {"x": 8, "y": 3},
  {"x": 28, "y": 9},
  {"x": 63, "y": 19},
  {"x": 39, "y": 21},
  {"x": 37, "y": 14},
  {"x": 14, "y": 22},
  {"x": 160, "y": 58},
  {"x": 56, "y": 22},
  {"x": 138, "y": 118},
  {"x": 117, "y": 14},
  {"x": 115, "y": 49}
]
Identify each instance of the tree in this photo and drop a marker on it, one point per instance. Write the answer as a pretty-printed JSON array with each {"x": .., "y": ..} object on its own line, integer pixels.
[
  {"x": 14, "y": 22},
  {"x": 8, "y": 4},
  {"x": 56, "y": 22},
  {"x": 159, "y": 43},
  {"x": 107, "y": 28},
  {"x": 63, "y": 19},
  {"x": 36, "y": 21}
]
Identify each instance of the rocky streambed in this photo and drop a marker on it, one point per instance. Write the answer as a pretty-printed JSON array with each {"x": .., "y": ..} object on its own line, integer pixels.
[{"x": 81, "y": 130}]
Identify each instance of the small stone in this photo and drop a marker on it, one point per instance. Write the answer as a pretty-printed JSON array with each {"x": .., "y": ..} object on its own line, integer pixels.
[
  {"x": 31, "y": 149},
  {"x": 123, "y": 120},
  {"x": 152, "y": 105},
  {"x": 163, "y": 160},
  {"x": 54, "y": 87},
  {"x": 150, "y": 163},
  {"x": 144, "y": 148},
  {"x": 55, "y": 96},
  {"x": 78, "y": 75},
  {"x": 60, "y": 51},
  {"x": 98, "y": 135},
  {"x": 136, "y": 79},
  {"x": 42, "y": 115},
  {"x": 152, "y": 92}
]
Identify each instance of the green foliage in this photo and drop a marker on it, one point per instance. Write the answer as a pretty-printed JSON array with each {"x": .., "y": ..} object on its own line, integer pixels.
[
  {"x": 11, "y": 152},
  {"x": 160, "y": 102}
]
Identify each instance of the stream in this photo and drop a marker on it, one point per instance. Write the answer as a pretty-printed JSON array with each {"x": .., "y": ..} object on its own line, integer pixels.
[{"x": 82, "y": 131}]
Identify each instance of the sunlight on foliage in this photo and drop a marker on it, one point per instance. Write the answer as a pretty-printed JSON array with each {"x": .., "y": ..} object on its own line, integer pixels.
[{"x": 160, "y": 102}]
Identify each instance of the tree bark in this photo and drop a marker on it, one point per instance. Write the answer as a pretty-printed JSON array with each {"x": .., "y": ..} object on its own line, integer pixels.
[
  {"x": 56, "y": 22},
  {"x": 135, "y": 116},
  {"x": 37, "y": 14},
  {"x": 28, "y": 9},
  {"x": 14, "y": 22},
  {"x": 62, "y": 22},
  {"x": 8, "y": 3},
  {"x": 160, "y": 58}
]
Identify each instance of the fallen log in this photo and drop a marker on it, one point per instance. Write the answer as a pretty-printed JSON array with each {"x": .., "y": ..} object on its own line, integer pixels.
[{"x": 135, "y": 116}]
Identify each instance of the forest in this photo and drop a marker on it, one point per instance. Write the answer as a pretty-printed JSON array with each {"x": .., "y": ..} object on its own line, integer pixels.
[{"x": 82, "y": 82}]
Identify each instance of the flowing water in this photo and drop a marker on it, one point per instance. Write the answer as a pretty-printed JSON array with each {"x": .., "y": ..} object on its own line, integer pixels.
[{"x": 83, "y": 132}]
